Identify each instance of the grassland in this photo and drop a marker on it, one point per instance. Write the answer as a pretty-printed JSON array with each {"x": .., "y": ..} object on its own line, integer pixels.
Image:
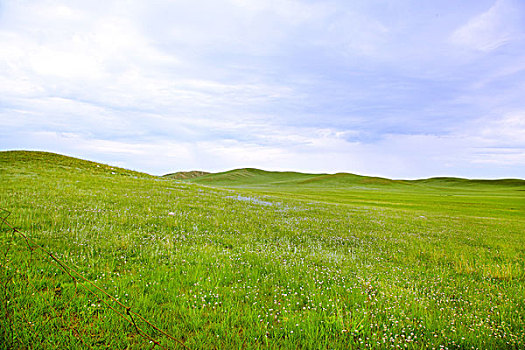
[
  {"x": 184, "y": 175},
  {"x": 253, "y": 259}
]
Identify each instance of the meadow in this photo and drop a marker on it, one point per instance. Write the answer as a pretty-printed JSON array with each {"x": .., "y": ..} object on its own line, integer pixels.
[{"x": 250, "y": 259}]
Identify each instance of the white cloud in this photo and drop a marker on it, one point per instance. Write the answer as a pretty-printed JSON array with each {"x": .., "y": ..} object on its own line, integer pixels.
[
  {"x": 500, "y": 157},
  {"x": 492, "y": 29},
  {"x": 307, "y": 85},
  {"x": 294, "y": 12},
  {"x": 74, "y": 52},
  {"x": 506, "y": 131}
]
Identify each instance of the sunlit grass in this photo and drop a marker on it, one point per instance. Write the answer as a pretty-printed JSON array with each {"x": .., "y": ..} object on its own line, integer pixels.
[{"x": 259, "y": 267}]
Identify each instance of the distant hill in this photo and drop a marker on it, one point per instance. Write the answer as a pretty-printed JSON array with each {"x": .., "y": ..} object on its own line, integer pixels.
[
  {"x": 255, "y": 177},
  {"x": 248, "y": 177},
  {"x": 456, "y": 181},
  {"x": 184, "y": 175}
]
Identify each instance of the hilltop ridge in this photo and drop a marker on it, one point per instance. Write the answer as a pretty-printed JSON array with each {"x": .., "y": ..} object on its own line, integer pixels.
[
  {"x": 246, "y": 177},
  {"x": 183, "y": 175},
  {"x": 49, "y": 161}
]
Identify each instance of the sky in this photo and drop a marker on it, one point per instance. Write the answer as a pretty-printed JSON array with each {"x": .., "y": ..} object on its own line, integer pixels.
[{"x": 400, "y": 89}]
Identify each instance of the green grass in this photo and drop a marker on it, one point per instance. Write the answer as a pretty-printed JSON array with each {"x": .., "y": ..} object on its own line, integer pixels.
[
  {"x": 183, "y": 175},
  {"x": 254, "y": 259}
]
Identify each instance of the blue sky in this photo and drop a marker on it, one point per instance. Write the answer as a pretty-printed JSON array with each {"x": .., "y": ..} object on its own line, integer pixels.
[{"x": 401, "y": 89}]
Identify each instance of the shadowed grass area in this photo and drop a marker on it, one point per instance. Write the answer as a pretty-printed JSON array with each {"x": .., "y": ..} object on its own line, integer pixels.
[{"x": 267, "y": 260}]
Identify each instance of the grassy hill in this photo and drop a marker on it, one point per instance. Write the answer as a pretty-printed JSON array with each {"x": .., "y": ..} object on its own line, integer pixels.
[
  {"x": 27, "y": 162},
  {"x": 265, "y": 260},
  {"x": 249, "y": 177},
  {"x": 450, "y": 195},
  {"x": 459, "y": 182},
  {"x": 184, "y": 175}
]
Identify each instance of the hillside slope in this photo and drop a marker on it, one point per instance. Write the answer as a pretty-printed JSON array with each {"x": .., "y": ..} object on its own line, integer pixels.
[
  {"x": 184, "y": 175},
  {"x": 25, "y": 161},
  {"x": 302, "y": 263},
  {"x": 249, "y": 177}
]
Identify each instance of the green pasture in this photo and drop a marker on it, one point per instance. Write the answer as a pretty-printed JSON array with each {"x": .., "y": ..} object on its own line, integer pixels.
[{"x": 250, "y": 259}]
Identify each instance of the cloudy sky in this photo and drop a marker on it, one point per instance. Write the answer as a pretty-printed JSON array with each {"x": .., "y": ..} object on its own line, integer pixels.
[{"x": 401, "y": 89}]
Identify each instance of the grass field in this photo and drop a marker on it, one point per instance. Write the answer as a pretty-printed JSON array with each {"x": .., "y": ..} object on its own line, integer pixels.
[{"x": 252, "y": 259}]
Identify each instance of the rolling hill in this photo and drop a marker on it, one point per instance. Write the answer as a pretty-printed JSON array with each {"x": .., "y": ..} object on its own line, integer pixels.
[
  {"x": 21, "y": 161},
  {"x": 184, "y": 175},
  {"x": 249, "y": 177}
]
